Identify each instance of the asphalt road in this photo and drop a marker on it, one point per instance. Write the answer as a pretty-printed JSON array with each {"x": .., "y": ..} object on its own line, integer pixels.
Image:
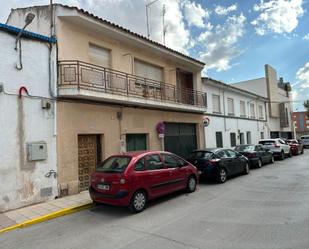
[{"x": 267, "y": 209}]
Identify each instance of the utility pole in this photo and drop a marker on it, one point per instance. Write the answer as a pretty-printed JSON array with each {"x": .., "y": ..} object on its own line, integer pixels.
[{"x": 147, "y": 5}]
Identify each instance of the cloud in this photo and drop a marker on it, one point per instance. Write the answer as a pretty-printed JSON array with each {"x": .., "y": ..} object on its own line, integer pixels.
[
  {"x": 222, "y": 11},
  {"x": 278, "y": 16},
  {"x": 195, "y": 14},
  {"x": 220, "y": 43},
  {"x": 306, "y": 37},
  {"x": 302, "y": 76}
]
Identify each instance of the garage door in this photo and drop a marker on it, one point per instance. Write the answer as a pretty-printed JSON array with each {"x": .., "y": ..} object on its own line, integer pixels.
[{"x": 180, "y": 138}]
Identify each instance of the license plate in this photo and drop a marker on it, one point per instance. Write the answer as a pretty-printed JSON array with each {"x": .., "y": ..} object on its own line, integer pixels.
[{"x": 103, "y": 186}]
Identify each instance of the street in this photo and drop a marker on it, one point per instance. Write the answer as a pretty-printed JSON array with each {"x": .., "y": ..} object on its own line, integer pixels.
[{"x": 269, "y": 208}]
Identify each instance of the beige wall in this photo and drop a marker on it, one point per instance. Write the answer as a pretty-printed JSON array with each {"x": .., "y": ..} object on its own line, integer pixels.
[
  {"x": 79, "y": 118},
  {"x": 73, "y": 44}
]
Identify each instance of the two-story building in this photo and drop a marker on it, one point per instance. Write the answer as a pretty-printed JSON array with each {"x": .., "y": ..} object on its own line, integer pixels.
[
  {"x": 28, "y": 126},
  {"x": 234, "y": 116},
  {"x": 279, "y": 101},
  {"x": 301, "y": 122},
  {"x": 115, "y": 88}
]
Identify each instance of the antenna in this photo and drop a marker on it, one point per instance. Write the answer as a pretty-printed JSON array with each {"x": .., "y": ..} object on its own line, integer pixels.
[
  {"x": 164, "y": 28},
  {"x": 147, "y": 5}
]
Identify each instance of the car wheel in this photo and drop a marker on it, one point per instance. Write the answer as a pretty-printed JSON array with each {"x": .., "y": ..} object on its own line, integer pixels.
[
  {"x": 191, "y": 185},
  {"x": 222, "y": 175},
  {"x": 259, "y": 165},
  {"x": 246, "y": 169},
  {"x": 138, "y": 201},
  {"x": 272, "y": 160},
  {"x": 282, "y": 155},
  {"x": 290, "y": 153}
]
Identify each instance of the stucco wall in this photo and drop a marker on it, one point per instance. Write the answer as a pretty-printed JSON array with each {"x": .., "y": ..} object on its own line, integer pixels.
[
  {"x": 23, "y": 121},
  {"x": 80, "y": 118}
]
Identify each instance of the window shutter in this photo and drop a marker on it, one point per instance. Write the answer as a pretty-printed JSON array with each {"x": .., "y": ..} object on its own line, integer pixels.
[
  {"x": 146, "y": 70},
  {"x": 99, "y": 56}
]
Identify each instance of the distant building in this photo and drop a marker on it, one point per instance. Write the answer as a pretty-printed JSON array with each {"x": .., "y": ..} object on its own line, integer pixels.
[
  {"x": 301, "y": 122},
  {"x": 279, "y": 101},
  {"x": 236, "y": 116}
]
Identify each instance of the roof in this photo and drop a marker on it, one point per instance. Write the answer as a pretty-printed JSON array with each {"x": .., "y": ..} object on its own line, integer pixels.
[
  {"x": 233, "y": 87},
  {"x": 118, "y": 27},
  {"x": 26, "y": 34}
]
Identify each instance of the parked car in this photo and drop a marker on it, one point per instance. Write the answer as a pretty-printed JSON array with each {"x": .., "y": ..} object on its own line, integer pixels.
[
  {"x": 256, "y": 154},
  {"x": 278, "y": 147},
  {"x": 133, "y": 178},
  {"x": 219, "y": 163},
  {"x": 305, "y": 140},
  {"x": 296, "y": 147}
]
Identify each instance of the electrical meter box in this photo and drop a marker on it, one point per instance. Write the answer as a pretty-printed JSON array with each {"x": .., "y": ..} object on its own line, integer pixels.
[{"x": 37, "y": 151}]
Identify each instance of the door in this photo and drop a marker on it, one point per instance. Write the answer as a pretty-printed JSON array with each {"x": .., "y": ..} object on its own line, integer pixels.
[
  {"x": 180, "y": 138},
  {"x": 88, "y": 157},
  {"x": 136, "y": 142},
  {"x": 185, "y": 87},
  {"x": 177, "y": 174},
  {"x": 235, "y": 163},
  {"x": 225, "y": 161}
]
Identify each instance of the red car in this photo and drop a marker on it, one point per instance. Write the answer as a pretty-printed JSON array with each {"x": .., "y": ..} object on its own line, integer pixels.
[
  {"x": 133, "y": 178},
  {"x": 296, "y": 147}
]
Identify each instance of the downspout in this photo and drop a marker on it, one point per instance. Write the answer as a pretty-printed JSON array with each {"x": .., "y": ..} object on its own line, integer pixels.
[{"x": 224, "y": 112}]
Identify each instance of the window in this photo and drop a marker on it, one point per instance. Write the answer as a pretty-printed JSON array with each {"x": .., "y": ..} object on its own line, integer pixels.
[
  {"x": 230, "y": 106},
  {"x": 248, "y": 137},
  {"x": 231, "y": 153},
  {"x": 252, "y": 110},
  {"x": 233, "y": 139},
  {"x": 242, "y": 138},
  {"x": 140, "y": 165},
  {"x": 170, "y": 161},
  {"x": 262, "y": 135},
  {"x": 147, "y": 70},
  {"x": 136, "y": 142},
  {"x": 242, "y": 108},
  {"x": 114, "y": 164},
  {"x": 261, "y": 113},
  {"x": 222, "y": 154},
  {"x": 219, "y": 139},
  {"x": 153, "y": 162},
  {"x": 216, "y": 103},
  {"x": 99, "y": 56}
]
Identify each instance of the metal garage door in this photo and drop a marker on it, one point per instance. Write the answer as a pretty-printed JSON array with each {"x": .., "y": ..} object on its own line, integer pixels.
[{"x": 180, "y": 138}]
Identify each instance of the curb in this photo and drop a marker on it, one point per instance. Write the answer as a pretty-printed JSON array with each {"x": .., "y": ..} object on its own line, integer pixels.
[{"x": 46, "y": 217}]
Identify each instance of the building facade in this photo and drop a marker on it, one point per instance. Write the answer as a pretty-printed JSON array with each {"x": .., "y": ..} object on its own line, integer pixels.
[
  {"x": 28, "y": 127},
  {"x": 234, "y": 116},
  {"x": 301, "y": 122},
  {"x": 115, "y": 88},
  {"x": 279, "y": 101}
]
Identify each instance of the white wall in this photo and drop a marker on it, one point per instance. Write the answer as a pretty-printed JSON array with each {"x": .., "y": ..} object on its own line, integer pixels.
[
  {"x": 236, "y": 124},
  {"x": 257, "y": 86},
  {"x": 23, "y": 121}
]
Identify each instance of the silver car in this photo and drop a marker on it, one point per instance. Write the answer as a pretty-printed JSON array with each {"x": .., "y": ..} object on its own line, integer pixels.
[
  {"x": 277, "y": 146},
  {"x": 305, "y": 140}
]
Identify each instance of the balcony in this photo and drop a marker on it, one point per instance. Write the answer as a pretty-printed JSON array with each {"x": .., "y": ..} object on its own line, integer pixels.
[{"x": 87, "y": 81}]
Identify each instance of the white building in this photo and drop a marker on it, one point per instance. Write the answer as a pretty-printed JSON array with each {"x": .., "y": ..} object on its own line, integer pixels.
[
  {"x": 279, "y": 104},
  {"x": 27, "y": 120},
  {"x": 235, "y": 116}
]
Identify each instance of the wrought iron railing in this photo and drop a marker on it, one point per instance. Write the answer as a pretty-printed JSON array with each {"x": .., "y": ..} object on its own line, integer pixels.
[{"x": 96, "y": 78}]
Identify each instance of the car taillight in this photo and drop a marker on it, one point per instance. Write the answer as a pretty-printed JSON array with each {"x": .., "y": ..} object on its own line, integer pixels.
[
  {"x": 213, "y": 161},
  {"x": 277, "y": 145}
]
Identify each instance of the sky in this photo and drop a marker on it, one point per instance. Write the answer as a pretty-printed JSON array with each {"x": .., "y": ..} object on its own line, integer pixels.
[{"x": 234, "y": 38}]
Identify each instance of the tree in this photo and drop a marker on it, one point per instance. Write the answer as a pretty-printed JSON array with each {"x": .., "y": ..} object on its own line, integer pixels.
[{"x": 306, "y": 105}]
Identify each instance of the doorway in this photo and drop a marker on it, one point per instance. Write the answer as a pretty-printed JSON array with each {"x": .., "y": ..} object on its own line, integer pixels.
[{"x": 185, "y": 87}]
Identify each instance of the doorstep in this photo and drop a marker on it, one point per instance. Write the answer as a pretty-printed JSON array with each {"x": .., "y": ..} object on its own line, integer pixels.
[{"x": 30, "y": 215}]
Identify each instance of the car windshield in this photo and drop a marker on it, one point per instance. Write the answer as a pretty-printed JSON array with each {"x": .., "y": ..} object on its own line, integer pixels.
[
  {"x": 245, "y": 148},
  {"x": 114, "y": 164},
  {"x": 267, "y": 142},
  {"x": 201, "y": 154}
]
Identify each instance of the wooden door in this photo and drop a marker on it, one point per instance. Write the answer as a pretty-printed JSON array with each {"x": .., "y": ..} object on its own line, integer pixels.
[{"x": 87, "y": 159}]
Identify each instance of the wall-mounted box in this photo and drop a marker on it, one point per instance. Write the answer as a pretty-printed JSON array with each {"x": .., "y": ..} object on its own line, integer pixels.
[{"x": 36, "y": 151}]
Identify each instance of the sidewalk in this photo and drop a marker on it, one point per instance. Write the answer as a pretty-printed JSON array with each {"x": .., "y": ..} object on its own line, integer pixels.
[{"x": 44, "y": 211}]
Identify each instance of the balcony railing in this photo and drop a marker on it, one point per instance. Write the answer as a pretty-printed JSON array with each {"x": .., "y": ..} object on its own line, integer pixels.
[{"x": 100, "y": 79}]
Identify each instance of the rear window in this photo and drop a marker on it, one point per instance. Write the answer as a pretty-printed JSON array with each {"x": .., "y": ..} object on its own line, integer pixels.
[
  {"x": 244, "y": 148},
  {"x": 267, "y": 142},
  {"x": 114, "y": 164},
  {"x": 201, "y": 154}
]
